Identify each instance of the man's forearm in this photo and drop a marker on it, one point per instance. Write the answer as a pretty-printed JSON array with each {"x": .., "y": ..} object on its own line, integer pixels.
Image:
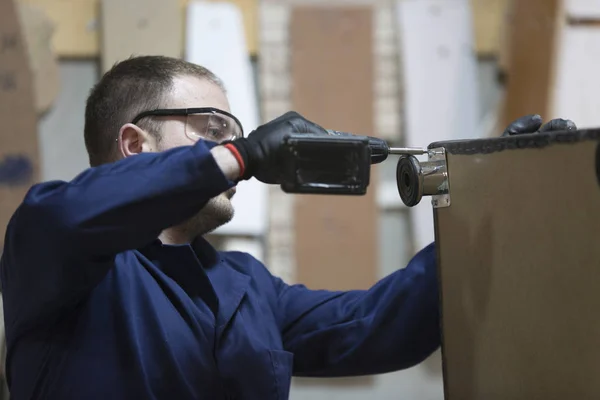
[
  {"x": 392, "y": 326},
  {"x": 124, "y": 205}
]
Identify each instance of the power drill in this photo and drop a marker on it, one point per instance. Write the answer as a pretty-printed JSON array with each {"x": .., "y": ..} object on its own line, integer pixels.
[{"x": 336, "y": 163}]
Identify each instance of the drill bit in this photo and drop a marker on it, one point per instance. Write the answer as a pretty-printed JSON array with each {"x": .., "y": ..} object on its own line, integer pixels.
[{"x": 407, "y": 150}]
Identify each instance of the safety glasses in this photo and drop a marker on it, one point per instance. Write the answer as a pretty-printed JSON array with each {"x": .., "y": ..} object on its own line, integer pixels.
[{"x": 202, "y": 123}]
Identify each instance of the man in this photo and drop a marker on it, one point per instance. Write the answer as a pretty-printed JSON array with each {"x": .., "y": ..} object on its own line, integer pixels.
[{"x": 111, "y": 292}]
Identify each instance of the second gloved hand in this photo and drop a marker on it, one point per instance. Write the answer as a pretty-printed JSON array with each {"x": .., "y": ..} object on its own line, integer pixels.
[
  {"x": 533, "y": 124},
  {"x": 260, "y": 153}
]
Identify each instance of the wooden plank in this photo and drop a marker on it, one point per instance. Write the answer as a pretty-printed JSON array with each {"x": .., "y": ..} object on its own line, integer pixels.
[
  {"x": 518, "y": 261},
  {"x": 439, "y": 79},
  {"x": 488, "y": 19},
  {"x": 332, "y": 84},
  {"x": 577, "y": 84},
  {"x": 19, "y": 159},
  {"x": 138, "y": 27},
  {"x": 505, "y": 38},
  {"x": 215, "y": 39},
  {"x": 77, "y": 26},
  {"x": 531, "y": 58},
  {"x": 78, "y": 31},
  {"x": 583, "y": 9},
  {"x": 37, "y": 30},
  {"x": 249, "y": 9}
]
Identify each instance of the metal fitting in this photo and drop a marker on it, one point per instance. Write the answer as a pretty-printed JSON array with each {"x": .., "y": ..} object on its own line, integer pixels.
[{"x": 416, "y": 179}]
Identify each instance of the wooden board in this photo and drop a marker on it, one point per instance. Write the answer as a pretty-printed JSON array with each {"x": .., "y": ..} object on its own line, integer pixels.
[
  {"x": 332, "y": 84},
  {"x": 519, "y": 264},
  {"x": 504, "y": 49},
  {"x": 489, "y": 16},
  {"x": 439, "y": 80},
  {"x": 583, "y": 9},
  {"x": 78, "y": 23},
  {"x": 249, "y": 9},
  {"x": 531, "y": 59},
  {"x": 38, "y": 30},
  {"x": 77, "y": 26},
  {"x": 19, "y": 160},
  {"x": 577, "y": 84},
  {"x": 215, "y": 39},
  {"x": 140, "y": 27}
]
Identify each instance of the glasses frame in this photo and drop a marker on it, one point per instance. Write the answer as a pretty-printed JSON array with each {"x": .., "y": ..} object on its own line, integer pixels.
[{"x": 177, "y": 112}]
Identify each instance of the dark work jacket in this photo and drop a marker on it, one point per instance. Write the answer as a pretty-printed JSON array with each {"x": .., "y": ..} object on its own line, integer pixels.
[{"x": 97, "y": 308}]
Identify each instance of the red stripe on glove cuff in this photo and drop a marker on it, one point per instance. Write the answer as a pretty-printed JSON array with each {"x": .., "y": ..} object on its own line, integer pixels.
[{"x": 238, "y": 157}]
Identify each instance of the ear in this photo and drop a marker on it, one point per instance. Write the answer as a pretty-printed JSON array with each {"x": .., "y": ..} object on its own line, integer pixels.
[{"x": 134, "y": 140}]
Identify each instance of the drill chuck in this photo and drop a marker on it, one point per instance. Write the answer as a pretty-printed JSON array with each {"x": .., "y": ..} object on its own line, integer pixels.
[{"x": 380, "y": 150}]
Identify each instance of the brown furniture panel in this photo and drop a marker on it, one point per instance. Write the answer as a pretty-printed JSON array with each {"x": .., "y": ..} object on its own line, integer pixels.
[
  {"x": 519, "y": 262},
  {"x": 332, "y": 84}
]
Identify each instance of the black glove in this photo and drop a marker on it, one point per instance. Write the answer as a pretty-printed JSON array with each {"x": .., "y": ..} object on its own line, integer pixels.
[
  {"x": 533, "y": 124},
  {"x": 259, "y": 153}
]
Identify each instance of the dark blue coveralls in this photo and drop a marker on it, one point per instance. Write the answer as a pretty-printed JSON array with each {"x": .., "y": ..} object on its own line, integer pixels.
[{"x": 97, "y": 308}]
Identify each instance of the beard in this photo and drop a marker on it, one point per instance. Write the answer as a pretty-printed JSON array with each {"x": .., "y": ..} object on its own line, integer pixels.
[{"x": 217, "y": 212}]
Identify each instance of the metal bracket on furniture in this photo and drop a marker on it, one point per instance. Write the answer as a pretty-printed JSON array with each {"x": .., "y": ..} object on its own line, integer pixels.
[{"x": 416, "y": 179}]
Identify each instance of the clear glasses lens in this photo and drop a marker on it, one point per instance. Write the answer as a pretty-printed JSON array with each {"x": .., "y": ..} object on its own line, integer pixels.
[{"x": 212, "y": 126}]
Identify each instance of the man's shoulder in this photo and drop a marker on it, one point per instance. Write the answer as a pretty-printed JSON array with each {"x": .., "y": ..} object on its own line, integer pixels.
[
  {"x": 241, "y": 260},
  {"x": 245, "y": 263}
]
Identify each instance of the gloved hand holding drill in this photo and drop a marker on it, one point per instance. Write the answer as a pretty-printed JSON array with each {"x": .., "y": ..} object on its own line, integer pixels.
[{"x": 262, "y": 154}]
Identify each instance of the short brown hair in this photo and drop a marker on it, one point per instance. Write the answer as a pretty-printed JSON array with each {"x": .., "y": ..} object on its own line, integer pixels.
[{"x": 128, "y": 88}]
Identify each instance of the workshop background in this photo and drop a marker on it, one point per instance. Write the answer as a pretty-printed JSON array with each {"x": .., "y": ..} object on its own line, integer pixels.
[{"x": 409, "y": 71}]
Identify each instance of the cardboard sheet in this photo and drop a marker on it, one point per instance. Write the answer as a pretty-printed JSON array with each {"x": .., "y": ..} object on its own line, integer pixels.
[
  {"x": 78, "y": 26},
  {"x": 38, "y": 30},
  {"x": 519, "y": 264},
  {"x": 140, "y": 27},
  {"x": 332, "y": 84},
  {"x": 19, "y": 162}
]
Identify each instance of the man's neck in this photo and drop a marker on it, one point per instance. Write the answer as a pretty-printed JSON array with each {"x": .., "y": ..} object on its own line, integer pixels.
[{"x": 174, "y": 236}]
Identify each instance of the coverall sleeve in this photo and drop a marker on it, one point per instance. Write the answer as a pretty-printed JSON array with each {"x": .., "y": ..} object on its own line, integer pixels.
[
  {"x": 392, "y": 326},
  {"x": 64, "y": 236}
]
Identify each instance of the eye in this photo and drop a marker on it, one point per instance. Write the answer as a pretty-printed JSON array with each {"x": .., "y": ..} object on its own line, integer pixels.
[{"x": 214, "y": 132}]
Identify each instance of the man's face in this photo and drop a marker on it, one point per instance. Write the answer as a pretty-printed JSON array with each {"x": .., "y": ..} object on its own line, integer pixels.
[{"x": 191, "y": 92}]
